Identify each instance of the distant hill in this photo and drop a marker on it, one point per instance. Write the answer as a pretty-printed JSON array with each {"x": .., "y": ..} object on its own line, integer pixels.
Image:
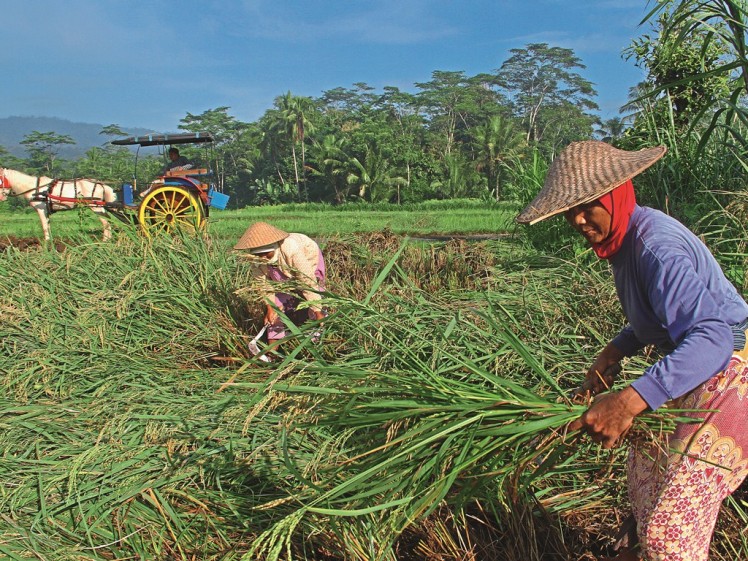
[{"x": 86, "y": 135}]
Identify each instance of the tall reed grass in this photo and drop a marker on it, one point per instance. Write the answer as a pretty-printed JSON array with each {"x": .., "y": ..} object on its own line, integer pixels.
[{"x": 427, "y": 424}]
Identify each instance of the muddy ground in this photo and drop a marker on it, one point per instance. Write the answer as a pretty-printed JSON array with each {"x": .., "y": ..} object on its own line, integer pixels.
[{"x": 29, "y": 244}]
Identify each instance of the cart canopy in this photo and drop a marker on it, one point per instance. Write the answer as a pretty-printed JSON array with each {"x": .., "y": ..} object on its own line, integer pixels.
[{"x": 164, "y": 139}]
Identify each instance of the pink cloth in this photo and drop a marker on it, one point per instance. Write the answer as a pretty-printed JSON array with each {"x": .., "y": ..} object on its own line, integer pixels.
[
  {"x": 677, "y": 484},
  {"x": 289, "y": 302}
]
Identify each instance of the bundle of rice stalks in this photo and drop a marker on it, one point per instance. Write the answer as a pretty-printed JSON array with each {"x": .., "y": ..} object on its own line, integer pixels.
[{"x": 430, "y": 407}]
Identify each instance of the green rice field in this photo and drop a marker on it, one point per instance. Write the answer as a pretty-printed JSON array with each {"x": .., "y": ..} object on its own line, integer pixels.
[
  {"x": 428, "y": 423},
  {"x": 425, "y": 219}
]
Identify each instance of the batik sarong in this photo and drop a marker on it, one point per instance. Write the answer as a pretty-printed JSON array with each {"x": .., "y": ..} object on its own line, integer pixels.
[{"x": 676, "y": 485}]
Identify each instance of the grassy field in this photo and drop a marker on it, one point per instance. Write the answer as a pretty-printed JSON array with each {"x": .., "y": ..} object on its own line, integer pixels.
[
  {"x": 435, "y": 218},
  {"x": 428, "y": 424}
]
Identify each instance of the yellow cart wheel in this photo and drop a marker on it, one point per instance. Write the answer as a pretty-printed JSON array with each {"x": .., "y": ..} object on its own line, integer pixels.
[{"x": 168, "y": 209}]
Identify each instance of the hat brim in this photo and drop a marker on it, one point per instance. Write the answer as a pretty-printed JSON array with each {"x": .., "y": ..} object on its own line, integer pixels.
[
  {"x": 260, "y": 234},
  {"x": 584, "y": 172},
  {"x": 263, "y": 249}
]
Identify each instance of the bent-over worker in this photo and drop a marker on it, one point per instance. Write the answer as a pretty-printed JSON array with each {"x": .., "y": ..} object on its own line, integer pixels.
[{"x": 282, "y": 257}]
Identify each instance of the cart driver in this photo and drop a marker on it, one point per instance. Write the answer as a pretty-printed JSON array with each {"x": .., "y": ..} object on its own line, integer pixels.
[{"x": 176, "y": 161}]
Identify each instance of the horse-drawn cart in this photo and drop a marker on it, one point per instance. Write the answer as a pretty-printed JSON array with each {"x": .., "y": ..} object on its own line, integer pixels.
[{"x": 178, "y": 199}]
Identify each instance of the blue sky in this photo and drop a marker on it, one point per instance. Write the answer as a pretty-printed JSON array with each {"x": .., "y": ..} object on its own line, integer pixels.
[{"x": 147, "y": 64}]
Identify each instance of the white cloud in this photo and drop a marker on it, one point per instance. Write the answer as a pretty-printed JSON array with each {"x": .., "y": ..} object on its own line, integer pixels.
[{"x": 383, "y": 22}]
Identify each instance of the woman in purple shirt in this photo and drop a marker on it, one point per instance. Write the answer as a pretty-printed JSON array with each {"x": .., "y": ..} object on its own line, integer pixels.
[{"x": 676, "y": 297}]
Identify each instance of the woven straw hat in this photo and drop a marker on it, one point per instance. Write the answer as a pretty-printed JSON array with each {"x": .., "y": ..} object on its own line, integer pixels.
[
  {"x": 259, "y": 235},
  {"x": 583, "y": 172}
]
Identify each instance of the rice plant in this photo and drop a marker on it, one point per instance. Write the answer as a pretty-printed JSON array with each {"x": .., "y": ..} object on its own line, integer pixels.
[
  {"x": 432, "y": 406},
  {"x": 429, "y": 422}
]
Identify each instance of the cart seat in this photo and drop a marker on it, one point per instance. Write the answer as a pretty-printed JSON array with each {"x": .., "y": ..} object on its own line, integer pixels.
[{"x": 187, "y": 172}]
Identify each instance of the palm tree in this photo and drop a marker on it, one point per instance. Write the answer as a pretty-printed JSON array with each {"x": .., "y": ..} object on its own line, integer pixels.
[
  {"x": 371, "y": 175},
  {"x": 611, "y": 129},
  {"x": 457, "y": 179},
  {"x": 271, "y": 141},
  {"x": 497, "y": 143},
  {"x": 293, "y": 121},
  {"x": 640, "y": 101},
  {"x": 331, "y": 159}
]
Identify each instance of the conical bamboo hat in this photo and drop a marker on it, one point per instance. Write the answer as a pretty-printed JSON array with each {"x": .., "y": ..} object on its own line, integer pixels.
[
  {"x": 260, "y": 234},
  {"x": 583, "y": 172}
]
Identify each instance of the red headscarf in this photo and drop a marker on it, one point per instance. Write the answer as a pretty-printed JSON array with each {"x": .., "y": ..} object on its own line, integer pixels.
[{"x": 620, "y": 204}]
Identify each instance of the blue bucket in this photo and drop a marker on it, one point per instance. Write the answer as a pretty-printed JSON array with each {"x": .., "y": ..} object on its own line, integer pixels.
[
  {"x": 127, "y": 194},
  {"x": 216, "y": 199}
]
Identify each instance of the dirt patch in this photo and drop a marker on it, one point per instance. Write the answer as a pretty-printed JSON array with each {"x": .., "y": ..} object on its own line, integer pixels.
[{"x": 29, "y": 244}]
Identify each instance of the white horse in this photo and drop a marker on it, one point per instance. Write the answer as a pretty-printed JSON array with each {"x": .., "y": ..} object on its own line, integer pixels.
[{"x": 47, "y": 195}]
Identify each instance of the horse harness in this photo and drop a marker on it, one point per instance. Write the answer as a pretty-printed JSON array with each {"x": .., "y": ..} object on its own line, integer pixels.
[{"x": 42, "y": 194}]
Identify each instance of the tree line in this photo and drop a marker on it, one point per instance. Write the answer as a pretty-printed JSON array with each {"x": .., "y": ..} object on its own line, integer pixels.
[
  {"x": 457, "y": 136},
  {"x": 488, "y": 136}
]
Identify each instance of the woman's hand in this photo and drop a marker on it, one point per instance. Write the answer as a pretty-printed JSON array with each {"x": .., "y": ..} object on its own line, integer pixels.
[
  {"x": 610, "y": 416},
  {"x": 602, "y": 373},
  {"x": 271, "y": 316},
  {"x": 599, "y": 378}
]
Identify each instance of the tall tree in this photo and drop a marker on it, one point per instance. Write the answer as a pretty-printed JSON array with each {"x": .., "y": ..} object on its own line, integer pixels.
[
  {"x": 331, "y": 158},
  {"x": 343, "y": 107},
  {"x": 562, "y": 123},
  {"x": 294, "y": 118},
  {"x": 538, "y": 77},
  {"x": 611, "y": 129},
  {"x": 450, "y": 101},
  {"x": 372, "y": 176},
  {"x": 108, "y": 164},
  {"x": 401, "y": 119},
  {"x": 112, "y": 130},
  {"x": 272, "y": 141},
  {"x": 458, "y": 178},
  {"x": 227, "y": 159},
  {"x": 9, "y": 160},
  {"x": 43, "y": 148}
]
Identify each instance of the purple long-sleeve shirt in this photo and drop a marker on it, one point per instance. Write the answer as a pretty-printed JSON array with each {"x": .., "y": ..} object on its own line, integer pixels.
[{"x": 675, "y": 296}]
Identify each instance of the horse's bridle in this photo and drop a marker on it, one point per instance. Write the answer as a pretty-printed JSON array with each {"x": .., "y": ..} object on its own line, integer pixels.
[{"x": 4, "y": 185}]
